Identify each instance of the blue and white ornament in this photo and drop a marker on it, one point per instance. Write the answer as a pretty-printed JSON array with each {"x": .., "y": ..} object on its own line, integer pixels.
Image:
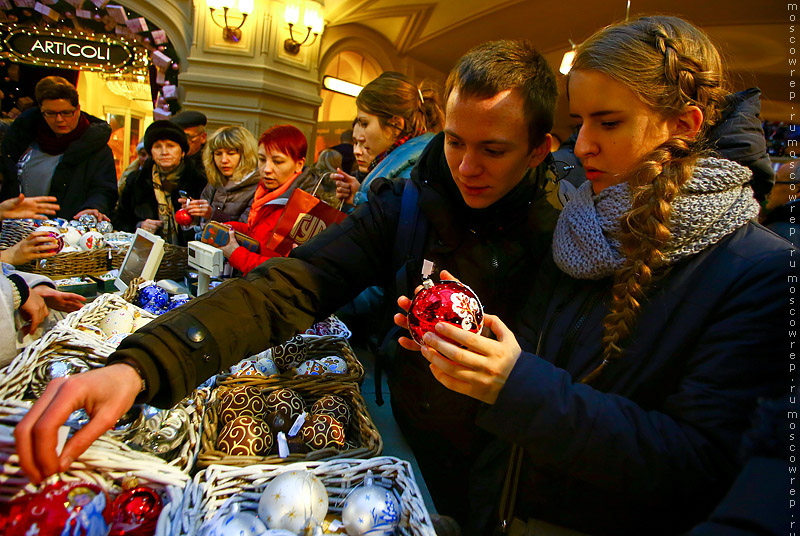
[
  {"x": 312, "y": 367},
  {"x": 234, "y": 524},
  {"x": 335, "y": 364},
  {"x": 267, "y": 366},
  {"x": 370, "y": 509},
  {"x": 295, "y": 500},
  {"x": 152, "y": 295}
]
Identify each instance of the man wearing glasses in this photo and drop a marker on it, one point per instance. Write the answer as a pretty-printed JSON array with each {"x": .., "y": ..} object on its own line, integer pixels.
[
  {"x": 58, "y": 150},
  {"x": 193, "y": 124}
]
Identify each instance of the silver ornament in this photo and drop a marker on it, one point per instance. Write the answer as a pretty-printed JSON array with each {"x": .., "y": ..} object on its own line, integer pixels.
[
  {"x": 59, "y": 368},
  {"x": 89, "y": 220},
  {"x": 105, "y": 227},
  {"x": 234, "y": 524},
  {"x": 370, "y": 509},
  {"x": 294, "y": 500}
]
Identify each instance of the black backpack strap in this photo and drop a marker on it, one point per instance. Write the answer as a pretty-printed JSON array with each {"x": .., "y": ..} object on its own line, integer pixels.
[{"x": 409, "y": 244}]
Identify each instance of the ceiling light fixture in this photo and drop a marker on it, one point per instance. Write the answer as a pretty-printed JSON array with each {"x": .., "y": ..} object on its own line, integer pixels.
[{"x": 341, "y": 86}]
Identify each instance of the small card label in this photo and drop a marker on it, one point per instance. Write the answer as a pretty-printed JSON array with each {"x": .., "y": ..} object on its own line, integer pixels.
[
  {"x": 298, "y": 423},
  {"x": 283, "y": 446}
]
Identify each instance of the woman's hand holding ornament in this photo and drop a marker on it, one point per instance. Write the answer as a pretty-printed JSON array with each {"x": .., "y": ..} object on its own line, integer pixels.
[{"x": 479, "y": 367}]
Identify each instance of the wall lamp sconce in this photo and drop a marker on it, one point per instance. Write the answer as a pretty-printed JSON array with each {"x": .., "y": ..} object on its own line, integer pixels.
[
  {"x": 230, "y": 33},
  {"x": 313, "y": 22},
  {"x": 566, "y": 61},
  {"x": 341, "y": 86}
]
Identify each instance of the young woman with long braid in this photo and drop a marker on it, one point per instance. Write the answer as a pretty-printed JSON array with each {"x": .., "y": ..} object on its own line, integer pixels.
[{"x": 662, "y": 320}]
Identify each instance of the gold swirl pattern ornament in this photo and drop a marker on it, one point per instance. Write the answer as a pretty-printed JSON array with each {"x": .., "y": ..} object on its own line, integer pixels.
[
  {"x": 245, "y": 436},
  {"x": 286, "y": 401},
  {"x": 333, "y": 405},
  {"x": 291, "y": 353},
  {"x": 321, "y": 432},
  {"x": 241, "y": 401}
]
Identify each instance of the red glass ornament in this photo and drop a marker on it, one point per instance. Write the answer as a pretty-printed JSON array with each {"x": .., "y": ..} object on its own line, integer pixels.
[
  {"x": 448, "y": 301},
  {"x": 45, "y": 513},
  {"x": 135, "y": 512},
  {"x": 182, "y": 217},
  {"x": 59, "y": 240}
]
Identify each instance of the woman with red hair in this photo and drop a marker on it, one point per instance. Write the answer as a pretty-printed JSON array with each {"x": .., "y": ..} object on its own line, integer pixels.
[{"x": 281, "y": 157}]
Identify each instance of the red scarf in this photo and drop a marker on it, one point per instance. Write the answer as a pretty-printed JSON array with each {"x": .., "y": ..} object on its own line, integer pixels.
[
  {"x": 263, "y": 196},
  {"x": 54, "y": 144},
  {"x": 377, "y": 160}
]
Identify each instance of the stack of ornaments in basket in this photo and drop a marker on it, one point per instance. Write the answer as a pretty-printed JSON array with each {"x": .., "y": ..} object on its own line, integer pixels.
[
  {"x": 282, "y": 422},
  {"x": 290, "y": 357},
  {"x": 296, "y": 502},
  {"x": 83, "y": 509},
  {"x": 84, "y": 234}
]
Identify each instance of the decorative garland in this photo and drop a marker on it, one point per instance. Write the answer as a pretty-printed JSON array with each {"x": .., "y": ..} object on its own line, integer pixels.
[{"x": 96, "y": 19}]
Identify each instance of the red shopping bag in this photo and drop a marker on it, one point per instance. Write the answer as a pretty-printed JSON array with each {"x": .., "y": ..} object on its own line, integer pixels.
[{"x": 305, "y": 216}]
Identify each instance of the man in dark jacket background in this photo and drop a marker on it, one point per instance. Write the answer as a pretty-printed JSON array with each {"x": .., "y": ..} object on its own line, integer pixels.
[
  {"x": 193, "y": 124},
  {"x": 58, "y": 150}
]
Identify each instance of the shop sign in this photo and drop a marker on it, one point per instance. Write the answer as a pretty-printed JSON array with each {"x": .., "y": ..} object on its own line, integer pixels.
[{"x": 71, "y": 50}]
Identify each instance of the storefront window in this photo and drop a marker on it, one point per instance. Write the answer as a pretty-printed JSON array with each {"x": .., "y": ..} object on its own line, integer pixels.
[{"x": 126, "y": 131}]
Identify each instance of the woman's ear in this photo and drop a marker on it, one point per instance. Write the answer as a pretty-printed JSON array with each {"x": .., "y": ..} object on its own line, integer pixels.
[
  {"x": 397, "y": 122},
  {"x": 688, "y": 123},
  {"x": 298, "y": 165}
]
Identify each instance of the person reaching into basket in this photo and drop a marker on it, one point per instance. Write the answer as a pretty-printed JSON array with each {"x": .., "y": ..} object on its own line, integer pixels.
[{"x": 479, "y": 207}]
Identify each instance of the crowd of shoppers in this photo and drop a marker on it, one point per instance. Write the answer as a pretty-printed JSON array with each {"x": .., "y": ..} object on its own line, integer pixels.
[{"x": 633, "y": 323}]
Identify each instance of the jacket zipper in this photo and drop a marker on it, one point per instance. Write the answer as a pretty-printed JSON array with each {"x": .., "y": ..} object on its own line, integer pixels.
[{"x": 568, "y": 344}]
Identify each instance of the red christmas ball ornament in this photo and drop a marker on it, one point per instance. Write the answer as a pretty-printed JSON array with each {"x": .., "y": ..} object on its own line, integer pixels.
[
  {"x": 182, "y": 217},
  {"x": 448, "y": 301},
  {"x": 135, "y": 512},
  {"x": 58, "y": 505}
]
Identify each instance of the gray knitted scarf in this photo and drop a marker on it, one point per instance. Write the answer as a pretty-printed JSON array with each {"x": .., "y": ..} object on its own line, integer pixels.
[{"x": 711, "y": 205}]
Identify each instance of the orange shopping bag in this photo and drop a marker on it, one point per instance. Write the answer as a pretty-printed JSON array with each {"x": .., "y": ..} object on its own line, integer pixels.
[{"x": 305, "y": 216}]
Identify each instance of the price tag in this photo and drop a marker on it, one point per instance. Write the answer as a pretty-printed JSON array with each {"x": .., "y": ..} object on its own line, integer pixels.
[{"x": 298, "y": 423}]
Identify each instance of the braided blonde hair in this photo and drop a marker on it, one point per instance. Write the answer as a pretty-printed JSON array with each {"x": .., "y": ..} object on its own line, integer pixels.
[{"x": 669, "y": 64}]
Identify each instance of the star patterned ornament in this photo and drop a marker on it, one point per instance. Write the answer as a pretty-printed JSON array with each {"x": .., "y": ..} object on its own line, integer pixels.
[{"x": 295, "y": 500}]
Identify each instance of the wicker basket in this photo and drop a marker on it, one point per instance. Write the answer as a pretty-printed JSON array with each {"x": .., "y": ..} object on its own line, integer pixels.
[
  {"x": 216, "y": 490},
  {"x": 89, "y": 316},
  {"x": 95, "y": 262},
  {"x": 363, "y": 439},
  {"x": 69, "y": 339},
  {"x": 13, "y": 231},
  {"x": 106, "y": 463},
  {"x": 317, "y": 347},
  {"x": 60, "y": 342}
]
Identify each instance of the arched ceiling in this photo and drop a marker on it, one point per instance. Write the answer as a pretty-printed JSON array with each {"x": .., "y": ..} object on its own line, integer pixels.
[{"x": 753, "y": 36}]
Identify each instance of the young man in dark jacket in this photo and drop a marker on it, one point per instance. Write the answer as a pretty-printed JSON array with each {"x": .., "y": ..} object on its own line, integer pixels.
[
  {"x": 481, "y": 191},
  {"x": 58, "y": 150}
]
